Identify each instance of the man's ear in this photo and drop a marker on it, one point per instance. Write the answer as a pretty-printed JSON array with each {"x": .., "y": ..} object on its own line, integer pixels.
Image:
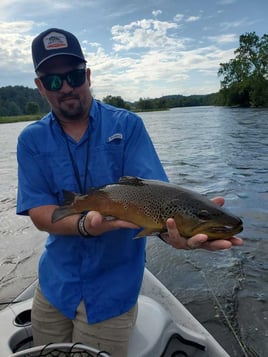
[
  {"x": 88, "y": 74},
  {"x": 39, "y": 85}
]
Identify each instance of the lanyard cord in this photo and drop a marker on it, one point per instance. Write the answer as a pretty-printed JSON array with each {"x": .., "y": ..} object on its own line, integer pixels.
[{"x": 82, "y": 188}]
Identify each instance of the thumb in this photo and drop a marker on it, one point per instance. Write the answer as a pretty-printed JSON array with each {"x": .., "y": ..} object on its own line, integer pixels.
[{"x": 94, "y": 219}]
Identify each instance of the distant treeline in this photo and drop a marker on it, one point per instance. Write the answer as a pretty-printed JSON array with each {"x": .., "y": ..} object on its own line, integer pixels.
[
  {"x": 165, "y": 102},
  {"x": 19, "y": 100}
]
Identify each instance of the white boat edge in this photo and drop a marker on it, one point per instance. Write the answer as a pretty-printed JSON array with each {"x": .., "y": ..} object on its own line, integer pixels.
[
  {"x": 160, "y": 316},
  {"x": 153, "y": 288}
]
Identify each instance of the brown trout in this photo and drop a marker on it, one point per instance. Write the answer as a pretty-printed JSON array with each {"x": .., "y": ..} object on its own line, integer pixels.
[{"x": 149, "y": 203}]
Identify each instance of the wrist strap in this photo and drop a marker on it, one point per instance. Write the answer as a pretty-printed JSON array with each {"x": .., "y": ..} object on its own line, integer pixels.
[{"x": 81, "y": 227}]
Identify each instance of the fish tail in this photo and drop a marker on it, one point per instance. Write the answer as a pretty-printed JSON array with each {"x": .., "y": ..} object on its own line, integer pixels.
[
  {"x": 62, "y": 212},
  {"x": 65, "y": 210}
]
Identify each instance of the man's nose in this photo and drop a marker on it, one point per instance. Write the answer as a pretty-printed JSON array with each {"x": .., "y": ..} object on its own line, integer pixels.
[{"x": 66, "y": 87}]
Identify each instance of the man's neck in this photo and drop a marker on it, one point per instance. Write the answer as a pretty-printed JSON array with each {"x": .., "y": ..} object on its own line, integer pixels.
[{"x": 74, "y": 128}]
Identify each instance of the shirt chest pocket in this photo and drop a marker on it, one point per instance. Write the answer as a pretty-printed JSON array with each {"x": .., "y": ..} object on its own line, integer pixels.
[
  {"x": 57, "y": 168},
  {"x": 106, "y": 163}
]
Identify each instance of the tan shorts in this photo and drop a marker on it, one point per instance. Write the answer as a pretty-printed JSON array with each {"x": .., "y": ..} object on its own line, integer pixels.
[{"x": 51, "y": 326}]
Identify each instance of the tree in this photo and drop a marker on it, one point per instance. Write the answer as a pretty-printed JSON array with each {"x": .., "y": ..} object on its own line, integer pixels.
[
  {"x": 116, "y": 101},
  {"x": 146, "y": 104},
  {"x": 13, "y": 108},
  {"x": 14, "y": 100},
  {"x": 32, "y": 108},
  {"x": 245, "y": 77}
]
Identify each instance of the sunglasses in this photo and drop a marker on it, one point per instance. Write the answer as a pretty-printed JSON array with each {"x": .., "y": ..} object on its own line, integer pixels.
[{"x": 54, "y": 82}]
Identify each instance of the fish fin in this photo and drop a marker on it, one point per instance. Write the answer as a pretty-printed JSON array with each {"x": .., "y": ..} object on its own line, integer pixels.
[
  {"x": 144, "y": 233},
  {"x": 131, "y": 180},
  {"x": 62, "y": 212},
  {"x": 68, "y": 197},
  {"x": 93, "y": 189}
]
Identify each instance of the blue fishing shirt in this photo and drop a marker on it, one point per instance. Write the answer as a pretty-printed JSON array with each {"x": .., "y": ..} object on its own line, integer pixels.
[{"x": 106, "y": 272}]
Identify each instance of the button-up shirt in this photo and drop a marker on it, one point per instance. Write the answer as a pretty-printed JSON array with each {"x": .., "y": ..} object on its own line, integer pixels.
[{"x": 106, "y": 271}]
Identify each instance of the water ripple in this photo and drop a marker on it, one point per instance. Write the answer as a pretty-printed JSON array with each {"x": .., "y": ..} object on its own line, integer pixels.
[{"x": 217, "y": 151}]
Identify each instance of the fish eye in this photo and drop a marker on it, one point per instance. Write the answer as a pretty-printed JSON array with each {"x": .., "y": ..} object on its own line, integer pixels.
[{"x": 203, "y": 214}]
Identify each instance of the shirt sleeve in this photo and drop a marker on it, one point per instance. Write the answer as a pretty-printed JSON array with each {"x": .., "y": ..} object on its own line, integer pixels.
[{"x": 33, "y": 187}]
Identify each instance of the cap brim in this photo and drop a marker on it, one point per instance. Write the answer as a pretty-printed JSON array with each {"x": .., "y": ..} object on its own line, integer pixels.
[{"x": 59, "y": 54}]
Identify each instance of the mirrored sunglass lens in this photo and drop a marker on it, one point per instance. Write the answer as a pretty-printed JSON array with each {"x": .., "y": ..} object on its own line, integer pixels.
[
  {"x": 52, "y": 83},
  {"x": 56, "y": 83},
  {"x": 76, "y": 78}
]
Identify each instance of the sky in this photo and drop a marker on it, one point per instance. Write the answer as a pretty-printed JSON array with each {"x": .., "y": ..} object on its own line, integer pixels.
[{"x": 135, "y": 49}]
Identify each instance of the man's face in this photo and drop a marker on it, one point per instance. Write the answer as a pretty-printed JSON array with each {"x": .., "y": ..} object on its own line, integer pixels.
[{"x": 69, "y": 102}]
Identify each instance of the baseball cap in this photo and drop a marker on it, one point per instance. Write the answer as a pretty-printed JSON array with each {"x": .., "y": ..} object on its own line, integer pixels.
[{"x": 54, "y": 42}]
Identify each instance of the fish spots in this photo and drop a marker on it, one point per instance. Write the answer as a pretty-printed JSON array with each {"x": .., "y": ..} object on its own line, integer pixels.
[
  {"x": 143, "y": 199},
  {"x": 149, "y": 203}
]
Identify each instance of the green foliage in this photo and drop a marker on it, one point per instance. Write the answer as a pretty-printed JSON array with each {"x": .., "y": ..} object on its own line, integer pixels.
[
  {"x": 173, "y": 101},
  {"x": 15, "y": 100},
  {"x": 19, "y": 118},
  {"x": 245, "y": 77},
  {"x": 32, "y": 108},
  {"x": 162, "y": 103},
  {"x": 116, "y": 101},
  {"x": 13, "y": 108},
  {"x": 146, "y": 104}
]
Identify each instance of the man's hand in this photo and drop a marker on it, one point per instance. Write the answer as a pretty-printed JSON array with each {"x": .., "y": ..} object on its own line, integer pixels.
[
  {"x": 96, "y": 224},
  {"x": 201, "y": 241}
]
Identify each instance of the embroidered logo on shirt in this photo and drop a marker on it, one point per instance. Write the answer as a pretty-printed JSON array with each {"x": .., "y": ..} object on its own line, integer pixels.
[
  {"x": 55, "y": 40},
  {"x": 115, "y": 136}
]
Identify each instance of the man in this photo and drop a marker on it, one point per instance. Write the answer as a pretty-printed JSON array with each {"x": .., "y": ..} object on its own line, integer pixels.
[{"x": 91, "y": 270}]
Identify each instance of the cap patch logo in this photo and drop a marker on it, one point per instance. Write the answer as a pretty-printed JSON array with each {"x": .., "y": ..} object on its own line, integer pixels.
[{"x": 55, "y": 40}]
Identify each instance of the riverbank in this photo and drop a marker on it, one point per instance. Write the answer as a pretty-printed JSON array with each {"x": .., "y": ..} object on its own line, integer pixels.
[
  {"x": 23, "y": 118},
  {"x": 19, "y": 118}
]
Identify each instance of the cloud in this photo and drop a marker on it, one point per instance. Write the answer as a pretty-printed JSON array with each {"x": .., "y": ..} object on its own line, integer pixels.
[
  {"x": 226, "y": 2},
  {"x": 192, "y": 18},
  {"x": 146, "y": 33},
  {"x": 156, "y": 12},
  {"x": 228, "y": 38},
  {"x": 15, "y": 45},
  {"x": 155, "y": 73},
  {"x": 15, "y": 27},
  {"x": 236, "y": 24},
  {"x": 178, "y": 17}
]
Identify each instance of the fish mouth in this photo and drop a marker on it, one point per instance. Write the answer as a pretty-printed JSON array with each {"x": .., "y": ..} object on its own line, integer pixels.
[{"x": 226, "y": 229}]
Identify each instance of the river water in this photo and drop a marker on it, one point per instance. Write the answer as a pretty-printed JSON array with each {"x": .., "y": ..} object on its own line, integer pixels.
[{"x": 215, "y": 151}]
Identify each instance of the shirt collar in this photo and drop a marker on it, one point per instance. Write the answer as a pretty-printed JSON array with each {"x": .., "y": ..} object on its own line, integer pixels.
[{"x": 93, "y": 113}]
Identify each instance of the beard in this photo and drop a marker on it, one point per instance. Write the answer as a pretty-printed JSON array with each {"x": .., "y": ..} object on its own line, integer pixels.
[{"x": 71, "y": 107}]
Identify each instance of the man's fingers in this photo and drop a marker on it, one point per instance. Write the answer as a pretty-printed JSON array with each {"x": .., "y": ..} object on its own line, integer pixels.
[
  {"x": 96, "y": 224},
  {"x": 196, "y": 241},
  {"x": 218, "y": 200}
]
